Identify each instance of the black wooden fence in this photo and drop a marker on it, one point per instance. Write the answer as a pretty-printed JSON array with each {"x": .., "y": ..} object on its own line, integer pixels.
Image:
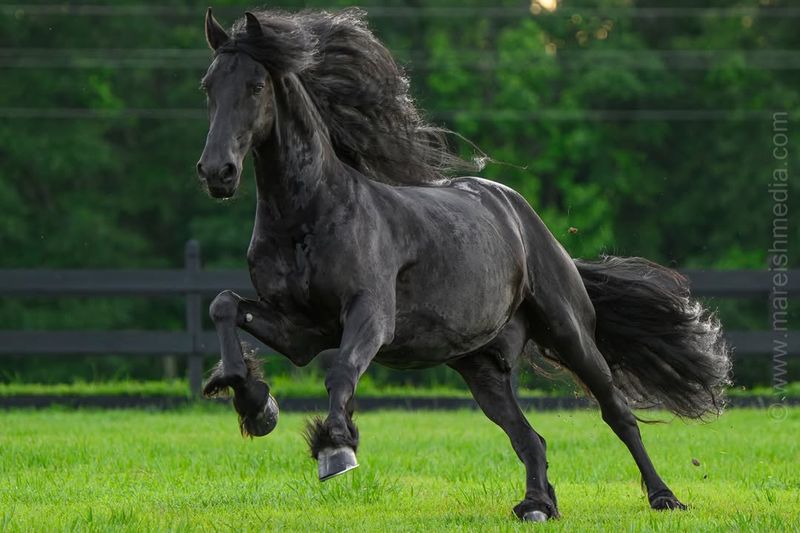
[{"x": 194, "y": 283}]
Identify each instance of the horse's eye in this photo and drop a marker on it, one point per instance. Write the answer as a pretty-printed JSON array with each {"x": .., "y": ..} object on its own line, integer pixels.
[{"x": 257, "y": 88}]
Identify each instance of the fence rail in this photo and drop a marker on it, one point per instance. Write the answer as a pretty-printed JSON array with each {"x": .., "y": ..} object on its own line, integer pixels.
[{"x": 194, "y": 283}]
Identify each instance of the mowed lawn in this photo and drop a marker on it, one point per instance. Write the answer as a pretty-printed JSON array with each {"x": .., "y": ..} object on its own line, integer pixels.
[{"x": 423, "y": 471}]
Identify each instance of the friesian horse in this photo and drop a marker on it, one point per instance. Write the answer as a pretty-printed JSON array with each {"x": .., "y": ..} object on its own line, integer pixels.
[{"x": 365, "y": 250}]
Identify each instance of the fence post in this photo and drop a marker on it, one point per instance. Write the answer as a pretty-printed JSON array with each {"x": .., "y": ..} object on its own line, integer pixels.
[{"x": 194, "y": 324}]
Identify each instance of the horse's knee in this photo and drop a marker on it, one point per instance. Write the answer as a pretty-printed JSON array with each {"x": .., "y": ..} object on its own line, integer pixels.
[{"x": 224, "y": 308}]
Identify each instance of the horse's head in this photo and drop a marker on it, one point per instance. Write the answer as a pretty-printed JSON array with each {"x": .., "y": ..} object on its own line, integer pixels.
[{"x": 240, "y": 110}]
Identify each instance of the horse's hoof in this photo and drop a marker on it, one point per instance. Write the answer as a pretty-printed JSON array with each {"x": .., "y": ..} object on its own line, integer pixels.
[
  {"x": 335, "y": 461},
  {"x": 534, "y": 516},
  {"x": 666, "y": 502},
  {"x": 536, "y": 510},
  {"x": 262, "y": 423}
]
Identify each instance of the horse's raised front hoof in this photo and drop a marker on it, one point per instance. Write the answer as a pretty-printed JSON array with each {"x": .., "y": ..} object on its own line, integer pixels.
[
  {"x": 335, "y": 461},
  {"x": 666, "y": 501},
  {"x": 263, "y": 422},
  {"x": 533, "y": 511}
]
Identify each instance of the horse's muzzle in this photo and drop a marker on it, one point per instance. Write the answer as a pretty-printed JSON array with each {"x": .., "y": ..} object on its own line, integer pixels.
[{"x": 221, "y": 180}]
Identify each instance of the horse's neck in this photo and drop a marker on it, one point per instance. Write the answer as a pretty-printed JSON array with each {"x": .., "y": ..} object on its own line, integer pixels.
[
  {"x": 298, "y": 175},
  {"x": 296, "y": 168}
]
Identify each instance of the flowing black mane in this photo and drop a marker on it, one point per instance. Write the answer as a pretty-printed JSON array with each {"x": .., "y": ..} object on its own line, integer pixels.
[{"x": 360, "y": 92}]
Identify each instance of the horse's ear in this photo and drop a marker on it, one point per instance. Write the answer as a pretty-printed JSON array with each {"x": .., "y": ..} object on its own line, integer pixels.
[
  {"x": 253, "y": 26},
  {"x": 215, "y": 35}
]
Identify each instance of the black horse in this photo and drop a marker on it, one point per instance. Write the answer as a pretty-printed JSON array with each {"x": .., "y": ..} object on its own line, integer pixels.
[{"x": 362, "y": 251}]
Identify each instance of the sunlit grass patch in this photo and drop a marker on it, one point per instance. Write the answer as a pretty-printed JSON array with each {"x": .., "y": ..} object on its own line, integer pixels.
[{"x": 190, "y": 470}]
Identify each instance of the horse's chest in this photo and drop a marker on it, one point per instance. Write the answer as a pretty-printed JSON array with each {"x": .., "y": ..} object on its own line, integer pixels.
[{"x": 281, "y": 271}]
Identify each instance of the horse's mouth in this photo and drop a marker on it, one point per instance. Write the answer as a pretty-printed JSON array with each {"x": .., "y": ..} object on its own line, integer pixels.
[{"x": 217, "y": 191}]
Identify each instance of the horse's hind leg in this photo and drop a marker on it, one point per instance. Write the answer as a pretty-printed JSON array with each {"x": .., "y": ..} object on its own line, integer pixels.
[
  {"x": 564, "y": 321},
  {"x": 257, "y": 409},
  {"x": 488, "y": 375}
]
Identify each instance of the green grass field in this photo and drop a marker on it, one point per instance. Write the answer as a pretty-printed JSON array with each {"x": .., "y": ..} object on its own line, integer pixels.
[
  {"x": 308, "y": 385},
  {"x": 426, "y": 471}
]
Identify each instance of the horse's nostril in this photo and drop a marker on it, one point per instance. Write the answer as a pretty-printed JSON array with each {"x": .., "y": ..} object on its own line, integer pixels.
[
  {"x": 228, "y": 173},
  {"x": 200, "y": 171}
]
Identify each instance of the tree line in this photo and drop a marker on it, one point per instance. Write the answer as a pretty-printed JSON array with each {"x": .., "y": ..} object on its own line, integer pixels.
[{"x": 633, "y": 129}]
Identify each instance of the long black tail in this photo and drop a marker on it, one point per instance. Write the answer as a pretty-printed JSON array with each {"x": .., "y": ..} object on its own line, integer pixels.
[{"x": 663, "y": 347}]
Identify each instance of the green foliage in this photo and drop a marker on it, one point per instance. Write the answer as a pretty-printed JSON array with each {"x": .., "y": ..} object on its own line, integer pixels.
[
  {"x": 544, "y": 95},
  {"x": 434, "y": 471}
]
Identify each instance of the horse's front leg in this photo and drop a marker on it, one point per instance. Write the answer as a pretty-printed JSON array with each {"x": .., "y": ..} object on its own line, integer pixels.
[
  {"x": 257, "y": 409},
  {"x": 368, "y": 325}
]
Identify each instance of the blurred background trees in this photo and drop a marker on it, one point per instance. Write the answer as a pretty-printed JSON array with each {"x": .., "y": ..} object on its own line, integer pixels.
[{"x": 645, "y": 126}]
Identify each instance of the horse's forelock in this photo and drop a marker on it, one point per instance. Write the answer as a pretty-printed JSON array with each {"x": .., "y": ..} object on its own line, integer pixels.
[{"x": 284, "y": 46}]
